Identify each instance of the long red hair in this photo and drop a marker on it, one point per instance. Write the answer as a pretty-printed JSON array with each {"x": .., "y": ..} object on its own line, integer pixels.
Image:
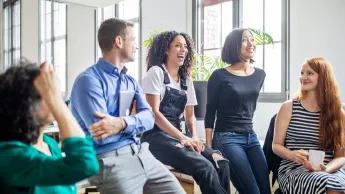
[{"x": 332, "y": 122}]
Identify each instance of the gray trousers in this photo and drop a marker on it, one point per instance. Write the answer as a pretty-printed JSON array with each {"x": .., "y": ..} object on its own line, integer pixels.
[{"x": 132, "y": 169}]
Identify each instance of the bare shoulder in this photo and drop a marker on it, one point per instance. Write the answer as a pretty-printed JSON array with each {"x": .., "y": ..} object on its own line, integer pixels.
[
  {"x": 286, "y": 109},
  {"x": 343, "y": 113},
  {"x": 287, "y": 105}
]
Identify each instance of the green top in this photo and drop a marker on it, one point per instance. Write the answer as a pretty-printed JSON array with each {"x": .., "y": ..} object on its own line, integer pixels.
[{"x": 25, "y": 170}]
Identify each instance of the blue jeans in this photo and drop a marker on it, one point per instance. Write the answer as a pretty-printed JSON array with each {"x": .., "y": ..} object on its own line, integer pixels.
[{"x": 248, "y": 166}]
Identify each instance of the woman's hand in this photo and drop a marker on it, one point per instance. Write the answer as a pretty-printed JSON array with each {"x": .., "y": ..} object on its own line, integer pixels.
[
  {"x": 308, "y": 165},
  {"x": 199, "y": 144},
  {"x": 189, "y": 142},
  {"x": 299, "y": 156},
  {"x": 46, "y": 83},
  {"x": 217, "y": 157}
]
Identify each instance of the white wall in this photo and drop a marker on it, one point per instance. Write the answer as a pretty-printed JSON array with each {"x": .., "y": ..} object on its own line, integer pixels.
[
  {"x": 1, "y": 42},
  {"x": 317, "y": 29},
  {"x": 30, "y": 29},
  {"x": 165, "y": 15},
  {"x": 80, "y": 41}
]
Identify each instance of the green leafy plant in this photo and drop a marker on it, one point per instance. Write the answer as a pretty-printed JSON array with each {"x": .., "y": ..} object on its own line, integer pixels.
[
  {"x": 148, "y": 41},
  {"x": 261, "y": 37},
  {"x": 203, "y": 65}
]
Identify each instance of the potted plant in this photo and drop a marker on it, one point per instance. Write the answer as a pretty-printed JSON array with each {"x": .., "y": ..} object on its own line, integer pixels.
[{"x": 203, "y": 66}]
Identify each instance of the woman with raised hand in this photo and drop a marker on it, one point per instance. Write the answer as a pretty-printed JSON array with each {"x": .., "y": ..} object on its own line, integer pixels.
[{"x": 32, "y": 162}]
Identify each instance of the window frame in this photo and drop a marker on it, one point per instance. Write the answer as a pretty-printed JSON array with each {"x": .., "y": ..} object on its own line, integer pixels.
[
  {"x": 12, "y": 49},
  {"x": 237, "y": 11},
  {"x": 136, "y": 20},
  {"x": 53, "y": 38}
]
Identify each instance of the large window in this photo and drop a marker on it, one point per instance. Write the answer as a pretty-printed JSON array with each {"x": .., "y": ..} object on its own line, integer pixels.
[
  {"x": 11, "y": 32},
  {"x": 53, "y": 38},
  {"x": 215, "y": 20},
  {"x": 127, "y": 10}
]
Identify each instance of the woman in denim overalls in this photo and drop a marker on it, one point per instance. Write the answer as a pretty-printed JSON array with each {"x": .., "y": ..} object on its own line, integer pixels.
[{"x": 170, "y": 92}]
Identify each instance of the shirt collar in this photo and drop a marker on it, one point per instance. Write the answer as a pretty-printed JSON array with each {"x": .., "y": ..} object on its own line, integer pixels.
[{"x": 109, "y": 67}]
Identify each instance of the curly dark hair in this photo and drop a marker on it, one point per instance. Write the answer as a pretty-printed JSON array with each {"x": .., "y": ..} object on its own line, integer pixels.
[
  {"x": 160, "y": 44},
  {"x": 19, "y": 99}
]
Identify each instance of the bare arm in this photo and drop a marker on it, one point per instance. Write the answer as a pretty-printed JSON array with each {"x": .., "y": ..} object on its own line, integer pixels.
[
  {"x": 281, "y": 125},
  {"x": 337, "y": 162},
  {"x": 208, "y": 135},
  {"x": 191, "y": 120},
  {"x": 46, "y": 84}
]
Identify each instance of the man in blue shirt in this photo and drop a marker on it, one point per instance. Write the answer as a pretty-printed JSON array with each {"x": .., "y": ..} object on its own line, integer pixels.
[{"x": 126, "y": 166}]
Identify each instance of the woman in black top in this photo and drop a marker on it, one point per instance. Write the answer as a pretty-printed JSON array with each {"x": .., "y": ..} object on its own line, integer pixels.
[{"x": 232, "y": 94}]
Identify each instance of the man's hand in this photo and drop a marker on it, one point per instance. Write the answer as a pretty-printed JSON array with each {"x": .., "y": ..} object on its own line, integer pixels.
[{"x": 107, "y": 126}]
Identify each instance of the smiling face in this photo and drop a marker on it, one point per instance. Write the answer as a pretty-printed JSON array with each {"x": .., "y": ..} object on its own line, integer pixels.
[
  {"x": 177, "y": 51},
  {"x": 308, "y": 78},
  {"x": 248, "y": 47}
]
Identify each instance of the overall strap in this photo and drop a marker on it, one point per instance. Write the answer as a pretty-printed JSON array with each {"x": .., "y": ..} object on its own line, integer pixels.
[
  {"x": 181, "y": 75},
  {"x": 166, "y": 76},
  {"x": 182, "y": 79}
]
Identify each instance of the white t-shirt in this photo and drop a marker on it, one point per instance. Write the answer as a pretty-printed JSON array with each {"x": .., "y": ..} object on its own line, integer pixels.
[{"x": 153, "y": 83}]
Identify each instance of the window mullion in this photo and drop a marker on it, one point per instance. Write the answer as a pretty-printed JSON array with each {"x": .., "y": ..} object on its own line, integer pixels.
[
  {"x": 202, "y": 29},
  {"x": 12, "y": 33},
  {"x": 117, "y": 10},
  {"x": 52, "y": 32},
  {"x": 263, "y": 46},
  {"x": 237, "y": 13}
]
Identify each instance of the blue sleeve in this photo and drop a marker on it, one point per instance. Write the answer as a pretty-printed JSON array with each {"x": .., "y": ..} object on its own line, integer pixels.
[
  {"x": 87, "y": 98},
  {"x": 144, "y": 119}
]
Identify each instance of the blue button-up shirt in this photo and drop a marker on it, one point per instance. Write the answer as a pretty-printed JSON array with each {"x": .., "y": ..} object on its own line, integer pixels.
[{"x": 98, "y": 89}]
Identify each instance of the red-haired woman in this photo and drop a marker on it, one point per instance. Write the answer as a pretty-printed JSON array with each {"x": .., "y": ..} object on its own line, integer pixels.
[{"x": 314, "y": 120}]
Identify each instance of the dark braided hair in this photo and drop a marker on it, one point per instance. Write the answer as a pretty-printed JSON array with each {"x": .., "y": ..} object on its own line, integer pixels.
[
  {"x": 159, "y": 47},
  {"x": 19, "y": 100}
]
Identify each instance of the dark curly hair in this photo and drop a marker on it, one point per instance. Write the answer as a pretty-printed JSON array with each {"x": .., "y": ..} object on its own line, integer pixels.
[
  {"x": 160, "y": 44},
  {"x": 18, "y": 101}
]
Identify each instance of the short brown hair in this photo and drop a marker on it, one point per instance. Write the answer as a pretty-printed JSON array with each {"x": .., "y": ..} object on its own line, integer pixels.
[{"x": 110, "y": 29}]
